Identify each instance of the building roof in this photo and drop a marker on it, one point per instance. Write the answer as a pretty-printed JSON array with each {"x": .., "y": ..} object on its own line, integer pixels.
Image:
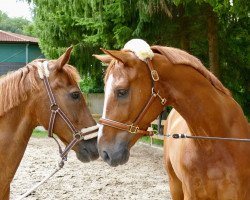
[{"x": 9, "y": 37}]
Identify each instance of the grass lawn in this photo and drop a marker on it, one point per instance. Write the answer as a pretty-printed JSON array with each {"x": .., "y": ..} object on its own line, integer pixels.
[
  {"x": 39, "y": 134},
  {"x": 156, "y": 142}
]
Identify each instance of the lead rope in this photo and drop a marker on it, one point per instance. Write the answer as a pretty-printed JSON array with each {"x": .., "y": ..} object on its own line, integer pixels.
[
  {"x": 183, "y": 136},
  {"x": 60, "y": 166}
]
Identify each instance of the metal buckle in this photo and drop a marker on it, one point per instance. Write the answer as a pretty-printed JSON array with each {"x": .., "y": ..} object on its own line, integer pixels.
[
  {"x": 155, "y": 75},
  {"x": 78, "y": 136},
  {"x": 133, "y": 129},
  {"x": 163, "y": 100},
  {"x": 54, "y": 107}
]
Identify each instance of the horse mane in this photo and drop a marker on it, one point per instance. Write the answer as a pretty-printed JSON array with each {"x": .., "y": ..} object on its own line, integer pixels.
[
  {"x": 178, "y": 56},
  {"x": 16, "y": 86}
]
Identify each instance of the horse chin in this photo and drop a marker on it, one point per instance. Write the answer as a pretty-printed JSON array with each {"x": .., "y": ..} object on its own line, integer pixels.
[
  {"x": 115, "y": 158},
  {"x": 84, "y": 156},
  {"x": 122, "y": 162},
  {"x": 87, "y": 151}
]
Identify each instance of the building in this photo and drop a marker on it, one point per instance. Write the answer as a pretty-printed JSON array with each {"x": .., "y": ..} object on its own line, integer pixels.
[{"x": 17, "y": 50}]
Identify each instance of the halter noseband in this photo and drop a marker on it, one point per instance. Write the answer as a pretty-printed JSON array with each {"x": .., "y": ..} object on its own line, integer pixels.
[
  {"x": 55, "y": 109},
  {"x": 134, "y": 127}
]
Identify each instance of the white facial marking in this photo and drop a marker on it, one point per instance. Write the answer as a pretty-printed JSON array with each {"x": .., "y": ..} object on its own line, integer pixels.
[
  {"x": 99, "y": 133},
  {"x": 108, "y": 90}
]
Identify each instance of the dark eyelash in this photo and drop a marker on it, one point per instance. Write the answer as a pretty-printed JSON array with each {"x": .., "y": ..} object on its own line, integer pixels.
[
  {"x": 122, "y": 93},
  {"x": 75, "y": 95}
]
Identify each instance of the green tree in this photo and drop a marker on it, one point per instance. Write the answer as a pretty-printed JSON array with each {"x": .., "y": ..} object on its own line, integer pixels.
[
  {"x": 14, "y": 25},
  {"x": 212, "y": 30}
]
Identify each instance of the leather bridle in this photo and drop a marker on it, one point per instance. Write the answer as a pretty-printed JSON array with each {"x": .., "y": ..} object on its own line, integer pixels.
[
  {"x": 55, "y": 109},
  {"x": 134, "y": 127}
]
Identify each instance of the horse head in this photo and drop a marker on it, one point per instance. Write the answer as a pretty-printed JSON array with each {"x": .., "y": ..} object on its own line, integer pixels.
[
  {"x": 128, "y": 90},
  {"x": 63, "y": 79}
]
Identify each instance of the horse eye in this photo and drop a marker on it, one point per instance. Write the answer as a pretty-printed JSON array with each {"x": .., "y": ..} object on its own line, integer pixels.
[
  {"x": 75, "y": 95},
  {"x": 122, "y": 93}
]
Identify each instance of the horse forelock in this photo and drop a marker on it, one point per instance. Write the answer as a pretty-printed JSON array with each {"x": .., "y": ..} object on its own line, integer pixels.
[
  {"x": 178, "y": 56},
  {"x": 15, "y": 86}
]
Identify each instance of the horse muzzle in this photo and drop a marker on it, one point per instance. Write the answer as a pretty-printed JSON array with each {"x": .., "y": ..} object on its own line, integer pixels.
[{"x": 119, "y": 155}]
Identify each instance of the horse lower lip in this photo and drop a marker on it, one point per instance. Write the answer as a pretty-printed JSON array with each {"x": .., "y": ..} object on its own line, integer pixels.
[
  {"x": 84, "y": 156},
  {"x": 85, "y": 152},
  {"x": 114, "y": 164}
]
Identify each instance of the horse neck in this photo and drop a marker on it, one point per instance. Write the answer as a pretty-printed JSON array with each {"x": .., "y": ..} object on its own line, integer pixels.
[
  {"x": 16, "y": 127},
  {"x": 207, "y": 111}
]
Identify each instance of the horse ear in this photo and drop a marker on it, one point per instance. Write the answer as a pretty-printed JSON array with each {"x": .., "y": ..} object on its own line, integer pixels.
[
  {"x": 103, "y": 58},
  {"x": 63, "y": 59},
  {"x": 122, "y": 56}
]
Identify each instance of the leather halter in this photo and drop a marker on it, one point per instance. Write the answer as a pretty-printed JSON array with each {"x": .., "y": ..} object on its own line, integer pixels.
[
  {"x": 134, "y": 127},
  {"x": 55, "y": 109}
]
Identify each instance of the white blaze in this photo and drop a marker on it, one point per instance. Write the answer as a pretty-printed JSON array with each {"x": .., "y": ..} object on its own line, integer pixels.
[{"x": 108, "y": 90}]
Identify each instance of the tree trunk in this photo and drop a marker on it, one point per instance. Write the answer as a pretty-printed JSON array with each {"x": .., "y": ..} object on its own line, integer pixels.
[
  {"x": 184, "y": 29},
  {"x": 212, "y": 31}
]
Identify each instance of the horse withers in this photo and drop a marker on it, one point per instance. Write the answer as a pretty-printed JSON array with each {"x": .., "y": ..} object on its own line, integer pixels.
[
  {"x": 140, "y": 81},
  {"x": 26, "y": 103}
]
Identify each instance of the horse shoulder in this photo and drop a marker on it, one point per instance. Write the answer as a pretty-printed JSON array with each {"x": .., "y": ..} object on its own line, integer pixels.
[{"x": 174, "y": 148}]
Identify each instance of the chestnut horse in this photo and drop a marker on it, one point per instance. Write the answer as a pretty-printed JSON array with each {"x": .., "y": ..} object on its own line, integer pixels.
[
  {"x": 137, "y": 87},
  {"x": 25, "y": 104}
]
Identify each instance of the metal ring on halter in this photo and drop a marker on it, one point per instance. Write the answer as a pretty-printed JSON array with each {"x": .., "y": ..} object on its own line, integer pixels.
[
  {"x": 163, "y": 100},
  {"x": 154, "y": 75},
  {"x": 154, "y": 92},
  {"x": 78, "y": 136},
  {"x": 54, "y": 107},
  {"x": 133, "y": 129}
]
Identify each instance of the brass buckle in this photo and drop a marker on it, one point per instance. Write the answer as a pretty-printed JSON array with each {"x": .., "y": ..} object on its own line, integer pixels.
[
  {"x": 133, "y": 129},
  {"x": 155, "y": 75},
  {"x": 163, "y": 100}
]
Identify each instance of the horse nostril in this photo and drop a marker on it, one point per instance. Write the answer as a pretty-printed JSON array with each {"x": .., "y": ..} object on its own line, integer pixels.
[{"x": 105, "y": 156}]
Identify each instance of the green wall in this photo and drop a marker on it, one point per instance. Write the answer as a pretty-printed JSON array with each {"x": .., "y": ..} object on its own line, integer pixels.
[
  {"x": 17, "y": 52},
  {"x": 13, "y": 56}
]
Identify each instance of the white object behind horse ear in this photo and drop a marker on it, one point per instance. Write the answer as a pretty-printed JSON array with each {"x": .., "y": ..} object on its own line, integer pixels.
[
  {"x": 43, "y": 69},
  {"x": 140, "y": 48}
]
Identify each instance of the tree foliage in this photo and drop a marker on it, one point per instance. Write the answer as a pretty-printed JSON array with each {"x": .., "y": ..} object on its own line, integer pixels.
[
  {"x": 92, "y": 24},
  {"x": 14, "y": 25}
]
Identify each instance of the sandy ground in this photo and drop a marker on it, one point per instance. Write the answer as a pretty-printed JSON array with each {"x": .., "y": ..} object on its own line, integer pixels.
[{"x": 142, "y": 178}]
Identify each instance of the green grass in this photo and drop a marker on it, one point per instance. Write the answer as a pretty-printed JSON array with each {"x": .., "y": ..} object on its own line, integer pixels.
[
  {"x": 39, "y": 134},
  {"x": 156, "y": 142},
  {"x": 146, "y": 139}
]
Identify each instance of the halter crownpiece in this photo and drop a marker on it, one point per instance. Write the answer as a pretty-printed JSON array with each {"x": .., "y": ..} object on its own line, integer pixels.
[
  {"x": 140, "y": 48},
  {"x": 43, "y": 69}
]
